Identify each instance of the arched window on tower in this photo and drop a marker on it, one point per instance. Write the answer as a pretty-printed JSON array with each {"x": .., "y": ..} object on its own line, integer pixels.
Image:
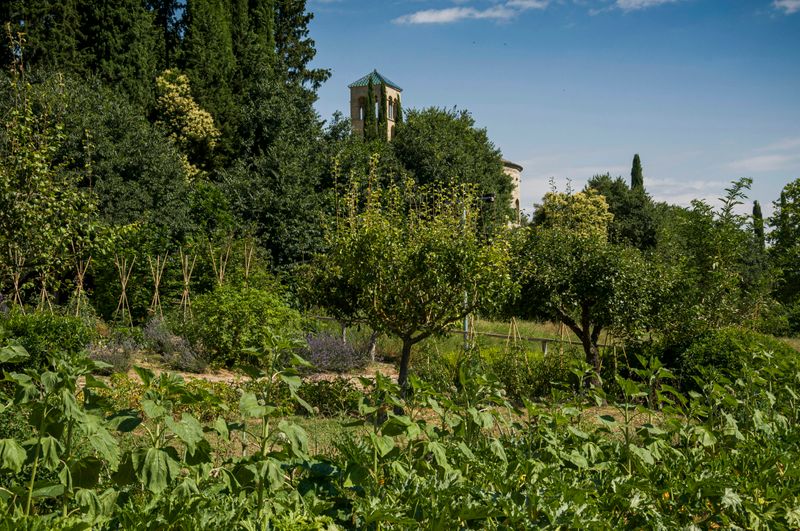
[
  {"x": 361, "y": 106},
  {"x": 390, "y": 112}
]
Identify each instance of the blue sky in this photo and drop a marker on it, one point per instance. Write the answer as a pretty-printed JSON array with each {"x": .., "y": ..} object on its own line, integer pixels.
[{"x": 706, "y": 91}]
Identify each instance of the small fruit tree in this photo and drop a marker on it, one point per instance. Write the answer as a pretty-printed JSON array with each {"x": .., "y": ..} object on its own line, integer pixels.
[{"x": 410, "y": 260}]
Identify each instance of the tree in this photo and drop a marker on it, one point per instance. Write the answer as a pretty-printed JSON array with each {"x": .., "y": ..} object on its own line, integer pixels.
[
  {"x": 44, "y": 214},
  {"x": 295, "y": 49},
  {"x": 190, "y": 127},
  {"x": 569, "y": 271},
  {"x": 634, "y": 220},
  {"x": 585, "y": 282},
  {"x": 370, "y": 125},
  {"x": 410, "y": 265},
  {"x": 441, "y": 146},
  {"x": 383, "y": 123},
  {"x": 398, "y": 112},
  {"x": 785, "y": 239},
  {"x": 637, "y": 179},
  {"x": 758, "y": 225}
]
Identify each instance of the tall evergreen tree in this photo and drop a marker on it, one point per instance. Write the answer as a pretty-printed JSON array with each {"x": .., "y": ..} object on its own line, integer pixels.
[
  {"x": 294, "y": 47},
  {"x": 168, "y": 18},
  {"x": 52, "y": 30},
  {"x": 637, "y": 179},
  {"x": 370, "y": 132},
  {"x": 758, "y": 225},
  {"x": 383, "y": 122},
  {"x": 398, "y": 111},
  {"x": 209, "y": 61},
  {"x": 124, "y": 47}
]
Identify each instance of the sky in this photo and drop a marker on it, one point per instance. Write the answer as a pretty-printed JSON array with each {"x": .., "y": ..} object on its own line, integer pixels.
[{"x": 706, "y": 91}]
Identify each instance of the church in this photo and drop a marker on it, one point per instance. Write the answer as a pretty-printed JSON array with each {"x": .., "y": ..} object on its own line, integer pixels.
[{"x": 358, "y": 105}]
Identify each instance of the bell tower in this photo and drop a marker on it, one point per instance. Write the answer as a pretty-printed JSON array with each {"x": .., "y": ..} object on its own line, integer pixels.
[{"x": 358, "y": 101}]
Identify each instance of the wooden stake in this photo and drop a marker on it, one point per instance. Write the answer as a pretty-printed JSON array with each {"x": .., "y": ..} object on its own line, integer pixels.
[
  {"x": 81, "y": 267},
  {"x": 44, "y": 296},
  {"x": 18, "y": 262},
  {"x": 124, "y": 271},
  {"x": 224, "y": 256},
  {"x": 249, "y": 247},
  {"x": 157, "y": 272},
  {"x": 186, "y": 268}
]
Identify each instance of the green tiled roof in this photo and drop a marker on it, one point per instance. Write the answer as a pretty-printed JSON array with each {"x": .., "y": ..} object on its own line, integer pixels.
[{"x": 377, "y": 79}]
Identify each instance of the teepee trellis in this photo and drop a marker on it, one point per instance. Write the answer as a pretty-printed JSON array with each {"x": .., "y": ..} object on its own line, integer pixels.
[
  {"x": 220, "y": 262},
  {"x": 44, "y": 295},
  {"x": 81, "y": 267},
  {"x": 124, "y": 270},
  {"x": 249, "y": 247},
  {"x": 187, "y": 267},
  {"x": 157, "y": 272},
  {"x": 18, "y": 262}
]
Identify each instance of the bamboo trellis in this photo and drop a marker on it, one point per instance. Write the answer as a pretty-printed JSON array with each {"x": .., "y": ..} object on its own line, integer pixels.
[
  {"x": 18, "y": 262},
  {"x": 157, "y": 272},
  {"x": 186, "y": 268},
  {"x": 44, "y": 295},
  {"x": 220, "y": 263},
  {"x": 249, "y": 247},
  {"x": 124, "y": 269},
  {"x": 81, "y": 267}
]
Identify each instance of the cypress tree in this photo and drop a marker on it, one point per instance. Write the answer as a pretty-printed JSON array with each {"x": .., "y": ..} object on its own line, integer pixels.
[
  {"x": 383, "y": 122},
  {"x": 370, "y": 130},
  {"x": 758, "y": 225},
  {"x": 637, "y": 179},
  {"x": 398, "y": 111}
]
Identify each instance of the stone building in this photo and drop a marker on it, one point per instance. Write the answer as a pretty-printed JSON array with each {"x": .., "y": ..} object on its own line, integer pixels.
[{"x": 358, "y": 102}]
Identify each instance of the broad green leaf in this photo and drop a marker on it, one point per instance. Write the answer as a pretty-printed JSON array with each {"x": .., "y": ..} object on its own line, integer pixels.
[
  {"x": 643, "y": 454},
  {"x": 730, "y": 499},
  {"x": 249, "y": 406},
  {"x": 153, "y": 410},
  {"x": 156, "y": 469},
  {"x": 188, "y": 430},
  {"x": 439, "y": 454},
  {"x": 12, "y": 455},
  {"x": 298, "y": 439},
  {"x": 382, "y": 443},
  {"x": 145, "y": 374},
  {"x": 13, "y": 354}
]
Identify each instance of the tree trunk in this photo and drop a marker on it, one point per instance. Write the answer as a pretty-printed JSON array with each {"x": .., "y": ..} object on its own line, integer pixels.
[
  {"x": 372, "y": 347},
  {"x": 402, "y": 378},
  {"x": 592, "y": 355}
]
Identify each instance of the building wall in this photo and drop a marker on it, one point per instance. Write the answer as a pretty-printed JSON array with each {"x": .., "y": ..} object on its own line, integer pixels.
[
  {"x": 514, "y": 171},
  {"x": 357, "y": 93}
]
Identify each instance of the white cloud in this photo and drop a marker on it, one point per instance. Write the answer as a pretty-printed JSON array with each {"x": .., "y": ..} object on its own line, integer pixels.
[
  {"x": 765, "y": 163},
  {"x": 787, "y": 6},
  {"x": 506, "y": 11},
  {"x": 635, "y": 5},
  {"x": 454, "y": 14},
  {"x": 783, "y": 154}
]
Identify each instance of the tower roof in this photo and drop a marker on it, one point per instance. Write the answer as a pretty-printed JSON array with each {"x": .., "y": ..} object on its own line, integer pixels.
[{"x": 377, "y": 79}]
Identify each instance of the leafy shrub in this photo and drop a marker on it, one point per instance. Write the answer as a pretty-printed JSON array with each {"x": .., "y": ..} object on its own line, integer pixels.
[
  {"x": 175, "y": 351},
  {"x": 728, "y": 350},
  {"x": 43, "y": 333},
  {"x": 331, "y": 397},
  {"x": 327, "y": 352},
  {"x": 117, "y": 352},
  {"x": 229, "y": 321},
  {"x": 524, "y": 376}
]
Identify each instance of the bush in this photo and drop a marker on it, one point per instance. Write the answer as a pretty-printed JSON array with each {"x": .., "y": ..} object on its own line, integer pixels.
[
  {"x": 175, "y": 351},
  {"x": 331, "y": 397},
  {"x": 117, "y": 352},
  {"x": 229, "y": 320},
  {"x": 331, "y": 353},
  {"x": 728, "y": 350},
  {"x": 526, "y": 377},
  {"x": 42, "y": 333}
]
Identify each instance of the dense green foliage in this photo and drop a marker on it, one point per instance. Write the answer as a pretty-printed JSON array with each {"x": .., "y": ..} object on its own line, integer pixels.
[
  {"x": 723, "y": 457},
  {"x": 43, "y": 333},
  {"x": 232, "y": 324}
]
